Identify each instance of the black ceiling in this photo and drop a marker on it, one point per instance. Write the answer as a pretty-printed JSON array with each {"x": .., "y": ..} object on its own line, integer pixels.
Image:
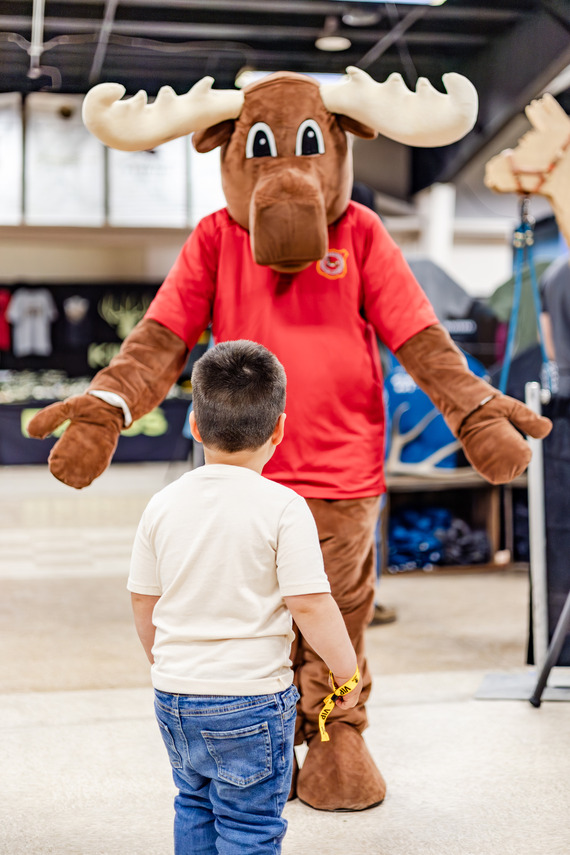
[{"x": 510, "y": 49}]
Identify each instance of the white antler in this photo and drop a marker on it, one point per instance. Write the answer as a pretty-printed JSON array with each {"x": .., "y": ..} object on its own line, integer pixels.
[
  {"x": 421, "y": 118},
  {"x": 546, "y": 115},
  {"x": 529, "y": 166},
  {"x": 135, "y": 125}
]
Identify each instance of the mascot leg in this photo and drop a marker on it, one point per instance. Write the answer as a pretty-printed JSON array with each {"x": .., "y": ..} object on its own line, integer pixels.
[{"x": 340, "y": 774}]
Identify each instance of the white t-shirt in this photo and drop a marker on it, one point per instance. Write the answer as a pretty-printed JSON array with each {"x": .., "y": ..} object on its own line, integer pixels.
[
  {"x": 222, "y": 546},
  {"x": 32, "y": 311}
]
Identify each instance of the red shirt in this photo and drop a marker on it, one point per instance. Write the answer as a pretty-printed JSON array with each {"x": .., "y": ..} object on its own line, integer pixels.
[
  {"x": 321, "y": 323},
  {"x": 5, "y": 298}
]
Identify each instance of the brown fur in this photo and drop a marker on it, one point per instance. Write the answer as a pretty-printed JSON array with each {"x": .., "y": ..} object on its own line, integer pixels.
[
  {"x": 490, "y": 433},
  {"x": 340, "y": 774},
  {"x": 285, "y": 202},
  {"x": 149, "y": 362}
]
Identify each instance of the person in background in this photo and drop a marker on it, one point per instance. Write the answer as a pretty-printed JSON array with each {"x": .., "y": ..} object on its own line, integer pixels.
[
  {"x": 555, "y": 319},
  {"x": 223, "y": 559}
]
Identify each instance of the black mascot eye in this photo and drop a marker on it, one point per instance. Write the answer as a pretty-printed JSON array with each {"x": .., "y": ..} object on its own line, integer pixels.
[
  {"x": 261, "y": 145},
  {"x": 309, "y": 139},
  {"x": 260, "y": 141},
  {"x": 309, "y": 143}
]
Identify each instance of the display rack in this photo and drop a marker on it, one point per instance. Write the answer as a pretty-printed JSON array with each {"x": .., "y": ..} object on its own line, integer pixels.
[{"x": 482, "y": 505}]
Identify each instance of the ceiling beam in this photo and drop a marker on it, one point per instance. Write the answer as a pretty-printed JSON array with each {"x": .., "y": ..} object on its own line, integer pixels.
[
  {"x": 231, "y": 31},
  {"x": 315, "y": 7},
  {"x": 511, "y": 72}
]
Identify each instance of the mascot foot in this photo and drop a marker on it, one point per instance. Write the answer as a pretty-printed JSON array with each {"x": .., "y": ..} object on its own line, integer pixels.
[{"x": 340, "y": 774}]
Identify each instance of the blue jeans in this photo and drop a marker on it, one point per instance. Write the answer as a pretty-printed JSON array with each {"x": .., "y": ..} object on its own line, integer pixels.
[{"x": 232, "y": 760}]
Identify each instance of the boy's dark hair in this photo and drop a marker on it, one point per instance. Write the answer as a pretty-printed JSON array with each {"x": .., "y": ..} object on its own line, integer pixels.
[{"x": 238, "y": 392}]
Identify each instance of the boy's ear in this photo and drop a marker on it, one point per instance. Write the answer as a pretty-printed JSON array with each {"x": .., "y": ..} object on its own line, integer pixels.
[
  {"x": 194, "y": 427},
  {"x": 277, "y": 436}
]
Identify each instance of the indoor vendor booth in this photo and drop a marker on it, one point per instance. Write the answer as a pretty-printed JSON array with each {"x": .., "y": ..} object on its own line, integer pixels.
[{"x": 284, "y": 427}]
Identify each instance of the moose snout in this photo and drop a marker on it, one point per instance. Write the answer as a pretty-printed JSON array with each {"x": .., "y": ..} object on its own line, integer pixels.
[{"x": 287, "y": 220}]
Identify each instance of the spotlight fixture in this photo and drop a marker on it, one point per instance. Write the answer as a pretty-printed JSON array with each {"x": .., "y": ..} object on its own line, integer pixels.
[
  {"x": 330, "y": 40},
  {"x": 361, "y": 16}
]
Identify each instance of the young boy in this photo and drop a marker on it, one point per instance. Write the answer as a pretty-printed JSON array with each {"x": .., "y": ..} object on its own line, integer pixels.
[{"x": 222, "y": 558}]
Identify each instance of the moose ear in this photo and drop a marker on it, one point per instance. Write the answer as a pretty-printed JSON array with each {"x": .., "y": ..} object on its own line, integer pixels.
[
  {"x": 211, "y": 138},
  {"x": 351, "y": 126}
]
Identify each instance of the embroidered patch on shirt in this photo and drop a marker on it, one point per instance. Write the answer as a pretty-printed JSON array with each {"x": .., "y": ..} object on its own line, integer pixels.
[{"x": 334, "y": 264}]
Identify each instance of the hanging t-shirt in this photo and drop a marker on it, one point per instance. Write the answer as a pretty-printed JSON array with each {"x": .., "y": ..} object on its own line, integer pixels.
[
  {"x": 31, "y": 312},
  {"x": 78, "y": 326},
  {"x": 5, "y": 297},
  {"x": 322, "y": 324}
]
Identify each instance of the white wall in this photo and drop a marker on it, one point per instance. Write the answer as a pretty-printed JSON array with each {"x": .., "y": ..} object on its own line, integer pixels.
[
  {"x": 87, "y": 255},
  {"x": 479, "y": 256},
  {"x": 478, "y": 262},
  {"x": 476, "y": 252},
  {"x": 480, "y": 266},
  {"x": 465, "y": 228}
]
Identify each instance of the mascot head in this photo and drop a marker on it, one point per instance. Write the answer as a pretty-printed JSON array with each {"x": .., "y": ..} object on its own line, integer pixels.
[{"x": 285, "y": 143}]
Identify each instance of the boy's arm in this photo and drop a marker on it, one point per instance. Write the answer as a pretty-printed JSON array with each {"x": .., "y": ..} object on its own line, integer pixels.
[
  {"x": 143, "y": 606},
  {"x": 321, "y": 623}
]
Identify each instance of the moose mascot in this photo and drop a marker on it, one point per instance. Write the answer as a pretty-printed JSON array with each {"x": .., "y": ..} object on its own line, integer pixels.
[{"x": 293, "y": 264}]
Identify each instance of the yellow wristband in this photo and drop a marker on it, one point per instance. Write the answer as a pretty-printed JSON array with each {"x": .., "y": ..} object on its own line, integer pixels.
[{"x": 330, "y": 700}]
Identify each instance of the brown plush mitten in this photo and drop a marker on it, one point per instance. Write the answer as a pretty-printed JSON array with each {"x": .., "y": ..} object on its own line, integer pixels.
[
  {"x": 484, "y": 420},
  {"x": 493, "y": 446},
  {"x": 149, "y": 362},
  {"x": 87, "y": 445}
]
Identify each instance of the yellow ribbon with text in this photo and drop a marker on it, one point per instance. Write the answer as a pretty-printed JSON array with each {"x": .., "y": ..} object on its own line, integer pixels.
[{"x": 330, "y": 700}]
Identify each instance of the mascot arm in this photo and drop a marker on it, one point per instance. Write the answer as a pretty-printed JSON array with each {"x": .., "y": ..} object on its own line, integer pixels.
[
  {"x": 139, "y": 377},
  {"x": 485, "y": 421}
]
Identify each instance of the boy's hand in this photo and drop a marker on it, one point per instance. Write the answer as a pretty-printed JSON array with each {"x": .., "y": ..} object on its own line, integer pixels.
[{"x": 348, "y": 701}]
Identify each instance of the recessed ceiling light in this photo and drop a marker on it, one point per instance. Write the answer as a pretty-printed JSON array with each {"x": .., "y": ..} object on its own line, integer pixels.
[
  {"x": 330, "y": 39},
  {"x": 333, "y": 43},
  {"x": 361, "y": 18}
]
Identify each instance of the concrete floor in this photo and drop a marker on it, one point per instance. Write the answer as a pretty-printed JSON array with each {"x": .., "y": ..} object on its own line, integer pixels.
[{"x": 84, "y": 771}]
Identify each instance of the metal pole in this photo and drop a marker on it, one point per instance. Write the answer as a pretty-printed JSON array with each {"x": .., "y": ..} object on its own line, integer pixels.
[
  {"x": 537, "y": 535},
  {"x": 37, "y": 44},
  {"x": 388, "y": 40},
  {"x": 104, "y": 33},
  {"x": 558, "y": 639}
]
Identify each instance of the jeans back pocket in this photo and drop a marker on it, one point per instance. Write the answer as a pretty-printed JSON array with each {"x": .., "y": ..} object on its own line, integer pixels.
[{"x": 242, "y": 756}]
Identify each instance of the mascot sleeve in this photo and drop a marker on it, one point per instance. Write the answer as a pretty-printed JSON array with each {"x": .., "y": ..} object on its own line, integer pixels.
[
  {"x": 487, "y": 423},
  {"x": 139, "y": 377}
]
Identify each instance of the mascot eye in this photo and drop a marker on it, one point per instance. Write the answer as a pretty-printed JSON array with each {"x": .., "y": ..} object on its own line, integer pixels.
[
  {"x": 260, "y": 141},
  {"x": 309, "y": 139}
]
